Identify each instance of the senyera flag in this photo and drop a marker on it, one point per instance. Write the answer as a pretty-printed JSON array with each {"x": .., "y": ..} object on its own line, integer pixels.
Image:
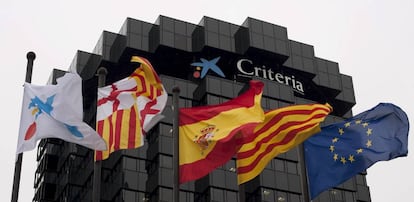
[
  {"x": 283, "y": 129},
  {"x": 128, "y": 108},
  {"x": 209, "y": 135},
  {"x": 55, "y": 111}
]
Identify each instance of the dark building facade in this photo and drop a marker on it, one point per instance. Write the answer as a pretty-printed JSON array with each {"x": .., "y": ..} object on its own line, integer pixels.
[{"x": 260, "y": 50}]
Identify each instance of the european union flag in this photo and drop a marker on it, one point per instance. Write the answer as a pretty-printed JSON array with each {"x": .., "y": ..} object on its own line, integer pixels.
[{"x": 342, "y": 150}]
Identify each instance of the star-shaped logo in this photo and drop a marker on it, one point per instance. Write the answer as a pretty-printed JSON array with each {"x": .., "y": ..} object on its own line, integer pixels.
[
  {"x": 205, "y": 66},
  {"x": 40, "y": 107}
]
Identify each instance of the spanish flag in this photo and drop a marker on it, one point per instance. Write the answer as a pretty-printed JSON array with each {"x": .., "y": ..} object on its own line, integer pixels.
[
  {"x": 209, "y": 135},
  {"x": 128, "y": 108},
  {"x": 282, "y": 130}
]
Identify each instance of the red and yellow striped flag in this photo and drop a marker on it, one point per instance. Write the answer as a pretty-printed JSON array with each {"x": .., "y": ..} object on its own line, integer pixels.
[
  {"x": 282, "y": 130},
  {"x": 128, "y": 108},
  {"x": 150, "y": 84},
  {"x": 209, "y": 135},
  {"x": 121, "y": 130}
]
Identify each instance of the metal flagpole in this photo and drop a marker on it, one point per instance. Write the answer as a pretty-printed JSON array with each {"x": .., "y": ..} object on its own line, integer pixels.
[
  {"x": 18, "y": 164},
  {"x": 176, "y": 113},
  {"x": 97, "y": 167},
  {"x": 242, "y": 196},
  {"x": 304, "y": 174}
]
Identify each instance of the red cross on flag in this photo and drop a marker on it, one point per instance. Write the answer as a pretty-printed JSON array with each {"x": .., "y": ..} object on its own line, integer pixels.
[{"x": 128, "y": 108}]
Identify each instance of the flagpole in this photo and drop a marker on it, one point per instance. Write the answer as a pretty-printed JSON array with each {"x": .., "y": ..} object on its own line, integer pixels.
[
  {"x": 242, "y": 195},
  {"x": 176, "y": 113},
  {"x": 97, "y": 167},
  {"x": 31, "y": 56},
  {"x": 304, "y": 174}
]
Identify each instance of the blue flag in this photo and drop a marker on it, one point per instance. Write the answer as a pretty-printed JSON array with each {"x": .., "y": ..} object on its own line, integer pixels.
[{"x": 342, "y": 150}]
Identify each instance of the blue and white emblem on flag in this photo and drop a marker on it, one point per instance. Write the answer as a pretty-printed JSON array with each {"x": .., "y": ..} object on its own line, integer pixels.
[{"x": 56, "y": 111}]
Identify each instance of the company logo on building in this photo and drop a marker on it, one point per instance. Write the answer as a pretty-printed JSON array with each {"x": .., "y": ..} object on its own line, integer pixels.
[
  {"x": 205, "y": 66},
  {"x": 247, "y": 68}
]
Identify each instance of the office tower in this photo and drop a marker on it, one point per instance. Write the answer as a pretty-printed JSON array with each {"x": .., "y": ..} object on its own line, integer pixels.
[{"x": 254, "y": 50}]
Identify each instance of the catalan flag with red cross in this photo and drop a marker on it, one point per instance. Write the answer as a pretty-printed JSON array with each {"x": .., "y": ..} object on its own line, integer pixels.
[{"x": 128, "y": 108}]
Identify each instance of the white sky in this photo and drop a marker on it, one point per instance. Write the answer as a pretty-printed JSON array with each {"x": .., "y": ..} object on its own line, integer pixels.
[{"x": 372, "y": 40}]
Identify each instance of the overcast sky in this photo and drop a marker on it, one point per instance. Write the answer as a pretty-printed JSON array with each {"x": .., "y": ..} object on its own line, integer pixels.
[{"x": 372, "y": 40}]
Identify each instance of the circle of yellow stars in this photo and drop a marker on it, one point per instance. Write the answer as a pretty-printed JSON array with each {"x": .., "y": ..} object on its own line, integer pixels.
[{"x": 350, "y": 158}]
